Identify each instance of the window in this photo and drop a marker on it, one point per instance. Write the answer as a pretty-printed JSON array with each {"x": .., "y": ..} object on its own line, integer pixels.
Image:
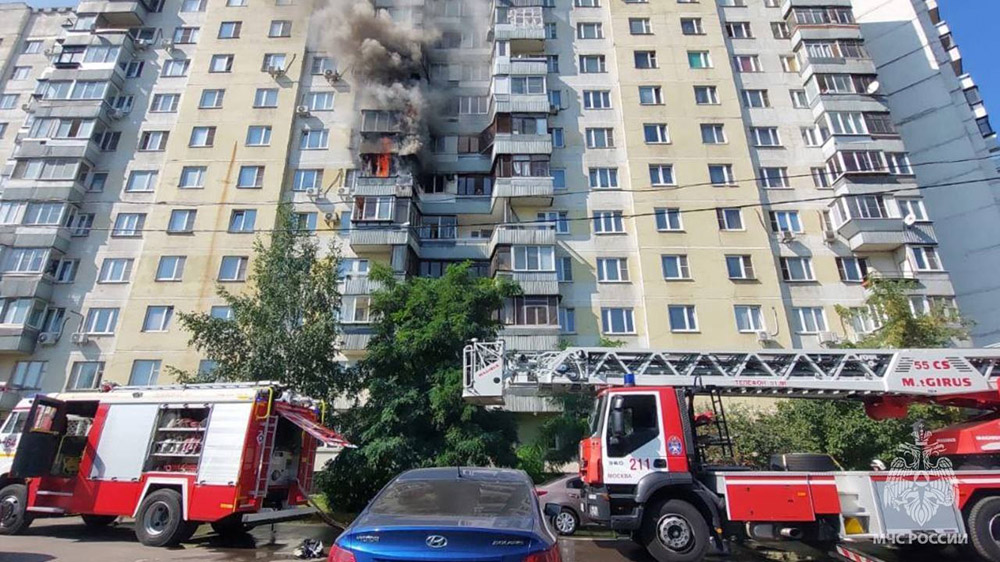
[
  {"x": 692, "y": 26},
  {"x": 799, "y": 98},
  {"x": 16, "y": 311},
  {"x": 320, "y": 101},
  {"x": 779, "y": 30},
  {"x": 821, "y": 177},
  {"x": 265, "y": 97},
  {"x": 597, "y": 99},
  {"x": 304, "y": 221},
  {"x": 233, "y": 268},
  {"x": 314, "y": 139},
  {"x": 898, "y": 163},
  {"x": 221, "y": 63},
  {"x": 739, "y": 267},
  {"x": 564, "y": 269},
  {"x": 739, "y": 30},
  {"x": 157, "y": 318},
  {"x": 603, "y": 178},
  {"x": 567, "y": 320},
  {"x": 153, "y": 140},
  {"x": 811, "y": 136},
  {"x": 706, "y": 95},
  {"x": 617, "y": 321},
  {"x": 765, "y": 136},
  {"x": 165, "y": 103},
  {"x": 230, "y": 29},
  {"x": 280, "y": 28},
  {"x": 211, "y": 99},
  {"x": 682, "y": 318},
  {"x": 181, "y": 221},
  {"x": 675, "y": 267},
  {"x": 912, "y": 207},
  {"x": 144, "y": 371},
  {"x": 23, "y": 260},
  {"x": 591, "y": 64},
  {"x": 789, "y": 63},
  {"x": 141, "y": 181},
  {"x": 774, "y": 178},
  {"x": 192, "y": 177},
  {"x": 668, "y": 220},
  {"x": 27, "y": 375},
  {"x": 32, "y": 47},
  {"x": 97, "y": 182},
  {"x": 173, "y": 68},
  {"x": 202, "y": 137},
  {"x": 222, "y": 312},
  {"x": 747, "y": 63},
  {"x": 650, "y": 95},
  {"x": 273, "y": 61},
  {"x": 925, "y": 258},
  {"x": 655, "y": 133},
  {"x": 756, "y": 98},
  {"x": 645, "y": 59},
  {"x": 589, "y": 30},
  {"x": 699, "y": 59},
  {"x": 749, "y": 319},
  {"x": 85, "y": 375},
  {"x": 306, "y": 179},
  {"x": 320, "y": 64},
  {"x": 43, "y": 213},
  {"x": 608, "y": 222},
  {"x": 558, "y": 220},
  {"x": 170, "y": 268},
  {"x": 115, "y": 270},
  {"x": 63, "y": 270},
  {"x": 129, "y": 224},
  {"x": 846, "y": 122},
  {"x": 20, "y": 73},
  {"x": 8, "y": 101},
  {"x": 258, "y": 135},
  {"x": 356, "y": 309},
  {"x": 811, "y": 320},
  {"x": 185, "y": 35},
  {"x": 374, "y": 208},
  {"x": 552, "y": 63},
  {"x": 612, "y": 270},
  {"x": 250, "y": 177},
  {"x": 661, "y": 174},
  {"x": 600, "y": 138},
  {"x": 133, "y": 68},
  {"x": 721, "y": 174},
  {"x": 785, "y": 221},
  {"x": 729, "y": 219},
  {"x": 242, "y": 220},
  {"x": 713, "y": 134},
  {"x": 550, "y": 30},
  {"x": 852, "y": 270},
  {"x": 558, "y": 139},
  {"x": 101, "y": 321},
  {"x": 108, "y": 140},
  {"x": 797, "y": 269},
  {"x": 880, "y": 124},
  {"x": 533, "y": 258},
  {"x": 639, "y": 26},
  {"x": 193, "y": 5}
]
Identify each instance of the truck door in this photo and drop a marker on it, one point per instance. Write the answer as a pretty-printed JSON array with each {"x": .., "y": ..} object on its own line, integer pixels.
[
  {"x": 40, "y": 439},
  {"x": 636, "y": 447}
]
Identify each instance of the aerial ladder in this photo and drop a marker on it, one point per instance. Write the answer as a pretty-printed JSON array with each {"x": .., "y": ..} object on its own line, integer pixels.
[{"x": 648, "y": 474}]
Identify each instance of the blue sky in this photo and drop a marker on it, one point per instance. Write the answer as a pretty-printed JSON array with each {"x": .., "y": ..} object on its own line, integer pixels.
[{"x": 972, "y": 23}]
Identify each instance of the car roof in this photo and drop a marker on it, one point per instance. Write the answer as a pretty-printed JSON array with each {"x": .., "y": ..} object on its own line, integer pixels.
[{"x": 465, "y": 473}]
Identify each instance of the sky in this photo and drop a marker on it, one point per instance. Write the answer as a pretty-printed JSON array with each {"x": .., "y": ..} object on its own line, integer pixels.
[{"x": 972, "y": 24}]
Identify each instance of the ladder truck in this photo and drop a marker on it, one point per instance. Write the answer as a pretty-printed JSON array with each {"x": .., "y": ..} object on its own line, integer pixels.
[{"x": 651, "y": 463}]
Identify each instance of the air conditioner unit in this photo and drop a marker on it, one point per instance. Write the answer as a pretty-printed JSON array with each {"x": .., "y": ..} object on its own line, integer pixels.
[
  {"x": 787, "y": 236},
  {"x": 331, "y": 75},
  {"x": 828, "y": 338},
  {"x": 167, "y": 43},
  {"x": 829, "y": 236},
  {"x": 553, "y": 109},
  {"x": 302, "y": 110},
  {"x": 49, "y": 52},
  {"x": 26, "y": 107},
  {"x": 275, "y": 71},
  {"x": 141, "y": 44},
  {"x": 764, "y": 337},
  {"x": 115, "y": 113},
  {"x": 80, "y": 338},
  {"x": 343, "y": 190},
  {"x": 330, "y": 218},
  {"x": 312, "y": 192},
  {"x": 48, "y": 338},
  {"x": 910, "y": 219}
]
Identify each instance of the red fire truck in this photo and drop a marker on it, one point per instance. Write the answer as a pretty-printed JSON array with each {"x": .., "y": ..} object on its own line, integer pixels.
[
  {"x": 172, "y": 457},
  {"x": 656, "y": 469}
]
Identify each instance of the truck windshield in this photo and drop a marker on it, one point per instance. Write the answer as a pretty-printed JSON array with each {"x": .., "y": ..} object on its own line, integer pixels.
[{"x": 594, "y": 421}]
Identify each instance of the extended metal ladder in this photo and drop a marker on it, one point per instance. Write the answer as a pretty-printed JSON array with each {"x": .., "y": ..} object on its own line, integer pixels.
[{"x": 270, "y": 428}]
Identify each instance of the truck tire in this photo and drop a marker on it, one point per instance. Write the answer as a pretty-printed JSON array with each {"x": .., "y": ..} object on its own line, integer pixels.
[
  {"x": 14, "y": 517},
  {"x": 984, "y": 528},
  {"x": 675, "y": 531},
  {"x": 160, "y": 520},
  {"x": 94, "y": 522}
]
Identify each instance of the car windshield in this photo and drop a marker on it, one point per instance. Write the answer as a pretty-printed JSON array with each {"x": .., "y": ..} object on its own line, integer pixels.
[{"x": 454, "y": 498}]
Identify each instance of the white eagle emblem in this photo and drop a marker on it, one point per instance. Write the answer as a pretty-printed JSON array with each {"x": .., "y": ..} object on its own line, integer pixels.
[{"x": 920, "y": 482}]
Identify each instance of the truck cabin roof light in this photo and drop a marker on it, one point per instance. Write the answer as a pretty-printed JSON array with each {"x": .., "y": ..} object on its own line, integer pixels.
[{"x": 629, "y": 379}]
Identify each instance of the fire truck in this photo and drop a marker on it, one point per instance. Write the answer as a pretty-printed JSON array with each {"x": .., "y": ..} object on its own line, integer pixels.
[
  {"x": 655, "y": 467},
  {"x": 172, "y": 457}
]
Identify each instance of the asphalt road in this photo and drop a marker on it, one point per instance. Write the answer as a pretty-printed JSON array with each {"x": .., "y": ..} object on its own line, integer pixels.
[{"x": 68, "y": 540}]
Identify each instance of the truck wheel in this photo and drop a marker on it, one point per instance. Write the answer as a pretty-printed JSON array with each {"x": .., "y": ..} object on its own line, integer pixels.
[
  {"x": 160, "y": 521},
  {"x": 675, "y": 531},
  {"x": 14, "y": 516},
  {"x": 98, "y": 521},
  {"x": 984, "y": 528}
]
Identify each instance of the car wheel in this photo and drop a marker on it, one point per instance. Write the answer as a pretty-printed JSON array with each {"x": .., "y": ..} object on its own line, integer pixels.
[
  {"x": 98, "y": 521},
  {"x": 675, "y": 531},
  {"x": 984, "y": 528},
  {"x": 160, "y": 521},
  {"x": 566, "y": 522},
  {"x": 14, "y": 516}
]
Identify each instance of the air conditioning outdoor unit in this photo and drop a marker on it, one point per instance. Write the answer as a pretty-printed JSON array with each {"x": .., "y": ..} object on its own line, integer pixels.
[
  {"x": 80, "y": 338},
  {"x": 275, "y": 71},
  {"x": 828, "y": 338},
  {"x": 764, "y": 337},
  {"x": 331, "y": 75},
  {"x": 829, "y": 236},
  {"x": 787, "y": 236},
  {"x": 48, "y": 338},
  {"x": 302, "y": 110},
  {"x": 141, "y": 44},
  {"x": 312, "y": 192}
]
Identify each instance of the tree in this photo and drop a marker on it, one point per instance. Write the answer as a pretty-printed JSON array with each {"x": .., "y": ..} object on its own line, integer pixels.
[
  {"x": 842, "y": 428},
  {"x": 284, "y": 326},
  {"x": 413, "y": 414}
]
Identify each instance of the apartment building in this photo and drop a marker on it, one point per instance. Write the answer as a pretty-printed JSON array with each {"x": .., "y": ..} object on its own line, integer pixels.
[{"x": 674, "y": 174}]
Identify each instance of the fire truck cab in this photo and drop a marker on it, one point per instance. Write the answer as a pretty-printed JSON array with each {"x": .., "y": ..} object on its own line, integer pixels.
[{"x": 174, "y": 457}]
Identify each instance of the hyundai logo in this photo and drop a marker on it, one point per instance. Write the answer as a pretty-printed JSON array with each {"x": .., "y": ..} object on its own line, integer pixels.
[{"x": 436, "y": 541}]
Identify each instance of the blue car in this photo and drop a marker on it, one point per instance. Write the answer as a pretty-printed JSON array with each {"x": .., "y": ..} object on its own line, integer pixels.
[{"x": 454, "y": 515}]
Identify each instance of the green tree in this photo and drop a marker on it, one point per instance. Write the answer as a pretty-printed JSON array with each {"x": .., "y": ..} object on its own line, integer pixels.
[
  {"x": 284, "y": 325},
  {"x": 412, "y": 413},
  {"x": 842, "y": 428}
]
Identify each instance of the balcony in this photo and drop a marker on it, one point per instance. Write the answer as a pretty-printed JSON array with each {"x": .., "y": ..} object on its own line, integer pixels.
[
  {"x": 454, "y": 248},
  {"x": 508, "y": 143},
  {"x": 524, "y": 66},
  {"x": 37, "y": 286},
  {"x": 522, "y": 236},
  {"x": 521, "y": 103},
  {"x": 523, "y": 26},
  {"x": 399, "y": 186},
  {"x": 34, "y": 190},
  {"x": 18, "y": 339},
  {"x": 873, "y": 235},
  {"x": 534, "y": 282},
  {"x": 117, "y": 14},
  {"x": 527, "y": 190},
  {"x": 387, "y": 235},
  {"x": 30, "y": 236},
  {"x": 836, "y": 65}
]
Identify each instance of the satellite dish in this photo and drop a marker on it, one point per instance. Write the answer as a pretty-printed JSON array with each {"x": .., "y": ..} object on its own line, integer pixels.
[
  {"x": 873, "y": 87},
  {"x": 909, "y": 219}
]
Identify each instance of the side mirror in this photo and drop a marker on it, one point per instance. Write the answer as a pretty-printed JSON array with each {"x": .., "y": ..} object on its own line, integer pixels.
[
  {"x": 552, "y": 509},
  {"x": 616, "y": 427}
]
